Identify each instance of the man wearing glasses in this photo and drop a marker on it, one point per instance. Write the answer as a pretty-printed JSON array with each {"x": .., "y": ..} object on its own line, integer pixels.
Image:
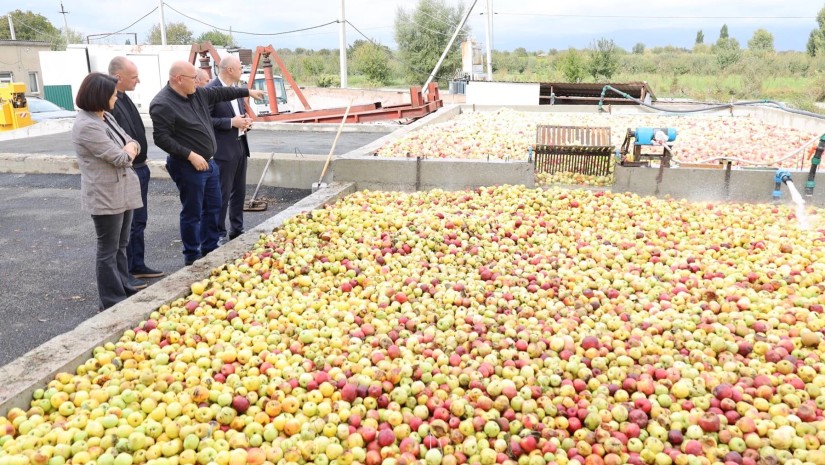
[{"x": 182, "y": 123}]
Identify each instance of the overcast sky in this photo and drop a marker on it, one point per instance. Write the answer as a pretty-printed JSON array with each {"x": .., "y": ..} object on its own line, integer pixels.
[{"x": 532, "y": 24}]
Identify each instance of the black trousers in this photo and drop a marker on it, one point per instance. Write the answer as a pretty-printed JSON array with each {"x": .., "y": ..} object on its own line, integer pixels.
[
  {"x": 233, "y": 194},
  {"x": 112, "y": 268}
]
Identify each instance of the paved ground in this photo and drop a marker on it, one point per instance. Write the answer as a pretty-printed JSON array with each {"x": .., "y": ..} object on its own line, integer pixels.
[
  {"x": 47, "y": 248},
  {"x": 304, "y": 142}
]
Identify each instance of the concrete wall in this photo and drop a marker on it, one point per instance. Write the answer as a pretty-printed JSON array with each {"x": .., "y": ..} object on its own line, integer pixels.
[
  {"x": 502, "y": 93},
  {"x": 19, "y": 57}
]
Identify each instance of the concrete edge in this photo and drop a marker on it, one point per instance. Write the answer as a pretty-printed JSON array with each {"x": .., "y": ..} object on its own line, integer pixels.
[{"x": 67, "y": 351}]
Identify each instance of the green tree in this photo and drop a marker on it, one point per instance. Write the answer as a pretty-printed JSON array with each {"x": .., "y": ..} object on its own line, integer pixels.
[
  {"x": 59, "y": 42},
  {"x": 313, "y": 65},
  {"x": 639, "y": 48},
  {"x": 604, "y": 60},
  {"x": 423, "y": 34},
  {"x": 176, "y": 34},
  {"x": 762, "y": 41},
  {"x": 723, "y": 33},
  {"x": 727, "y": 52},
  {"x": 217, "y": 38},
  {"x": 32, "y": 26},
  {"x": 700, "y": 37},
  {"x": 571, "y": 65},
  {"x": 372, "y": 60},
  {"x": 816, "y": 39}
]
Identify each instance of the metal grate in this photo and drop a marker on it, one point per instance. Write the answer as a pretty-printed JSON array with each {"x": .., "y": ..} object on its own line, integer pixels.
[{"x": 575, "y": 149}]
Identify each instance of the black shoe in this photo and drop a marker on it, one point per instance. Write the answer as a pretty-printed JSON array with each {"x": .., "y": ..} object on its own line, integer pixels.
[
  {"x": 137, "y": 284},
  {"x": 147, "y": 272},
  {"x": 188, "y": 262},
  {"x": 233, "y": 235}
]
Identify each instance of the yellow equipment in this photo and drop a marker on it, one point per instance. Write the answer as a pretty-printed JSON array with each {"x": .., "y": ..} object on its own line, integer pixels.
[{"x": 14, "y": 110}]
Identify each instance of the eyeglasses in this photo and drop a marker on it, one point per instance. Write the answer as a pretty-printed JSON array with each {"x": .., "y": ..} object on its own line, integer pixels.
[{"x": 190, "y": 77}]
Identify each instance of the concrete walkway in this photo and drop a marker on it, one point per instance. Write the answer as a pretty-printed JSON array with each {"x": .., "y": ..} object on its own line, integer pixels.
[{"x": 47, "y": 249}]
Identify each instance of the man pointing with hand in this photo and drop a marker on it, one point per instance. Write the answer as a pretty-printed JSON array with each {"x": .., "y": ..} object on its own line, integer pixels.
[{"x": 182, "y": 123}]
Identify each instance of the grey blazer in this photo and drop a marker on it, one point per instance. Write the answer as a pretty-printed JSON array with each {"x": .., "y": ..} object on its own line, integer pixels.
[{"x": 108, "y": 184}]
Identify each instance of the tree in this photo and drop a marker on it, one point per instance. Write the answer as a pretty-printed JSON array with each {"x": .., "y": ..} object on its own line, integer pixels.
[
  {"x": 176, "y": 34},
  {"x": 816, "y": 39},
  {"x": 372, "y": 60},
  {"x": 700, "y": 37},
  {"x": 727, "y": 52},
  {"x": 423, "y": 34},
  {"x": 762, "y": 41},
  {"x": 32, "y": 26},
  {"x": 723, "y": 33},
  {"x": 59, "y": 42},
  {"x": 639, "y": 48},
  {"x": 571, "y": 66},
  {"x": 603, "y": 59},
  {"x": 217, "y": 38}
]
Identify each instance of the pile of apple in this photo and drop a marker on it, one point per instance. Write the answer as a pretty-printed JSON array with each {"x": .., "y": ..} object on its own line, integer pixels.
[
  {"x": 507, "y": 135},
  {"x": 501, "y": 325}
]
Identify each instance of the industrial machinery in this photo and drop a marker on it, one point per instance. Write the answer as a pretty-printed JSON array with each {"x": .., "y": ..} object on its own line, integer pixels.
[
  {"x": 648, "y": 137},
  {"x": 572, "y": 149},
  {"x": 272, "y": 108},
  {"x": 14, "y": 110}
]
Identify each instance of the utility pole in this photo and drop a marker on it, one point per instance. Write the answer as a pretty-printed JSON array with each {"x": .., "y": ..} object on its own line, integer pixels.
[
  {"x": 449, "y": 45},
  {"x": 343, "y": 48},
  {"x": 162, "y": 26},
  {"x": 11, "y": 27},
  {"x": 65, "y": 23},
  {"x": 489, "y": 40}
]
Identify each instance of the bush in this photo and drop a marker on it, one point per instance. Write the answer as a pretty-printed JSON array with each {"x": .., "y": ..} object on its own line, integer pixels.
[{"x": 328, "y": 80}]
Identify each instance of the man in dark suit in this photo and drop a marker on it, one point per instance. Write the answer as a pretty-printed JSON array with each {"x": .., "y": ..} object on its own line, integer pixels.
[
  {"x": 231, "y": 123},
  {"x": 128, "y": 117}
]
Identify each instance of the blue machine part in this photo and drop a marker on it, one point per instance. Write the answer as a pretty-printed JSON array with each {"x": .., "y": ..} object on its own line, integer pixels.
[{"x": 644, "y": 136}]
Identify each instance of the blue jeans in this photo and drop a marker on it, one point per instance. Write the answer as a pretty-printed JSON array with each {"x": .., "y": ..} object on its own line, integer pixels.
[
  {"x": 135, "y": 251},
  {"x": 200, "y": 198}
]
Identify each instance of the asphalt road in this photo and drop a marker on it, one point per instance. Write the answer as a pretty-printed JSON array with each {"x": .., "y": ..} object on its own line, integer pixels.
[
  {"x": 303, "y": 142},
  {"x": 47, "y": 249}
]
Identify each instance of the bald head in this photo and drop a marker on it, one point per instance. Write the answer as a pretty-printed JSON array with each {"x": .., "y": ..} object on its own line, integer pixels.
[
  {"x": 183, "y": 77},
  {"x": 182, "y": 67},
  {"x": 126, "y": 73},
  {"x": 230, "y": 69},
  {"x": 229, "y": 61}
]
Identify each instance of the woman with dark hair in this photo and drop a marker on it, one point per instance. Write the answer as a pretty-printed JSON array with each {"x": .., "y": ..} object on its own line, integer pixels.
[{"x": 109, "y": 187}]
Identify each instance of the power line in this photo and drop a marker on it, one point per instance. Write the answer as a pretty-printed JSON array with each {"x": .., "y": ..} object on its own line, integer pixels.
[
  {"x": 251, "y": 33},
  {"x": 109, "y": 34},
  {"x": 560, "y": 15},
  {"x": 392, "y": 55}
]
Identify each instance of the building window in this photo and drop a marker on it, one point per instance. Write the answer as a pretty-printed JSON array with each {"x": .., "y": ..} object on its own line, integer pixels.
[
  {"x": 6, "y": 76},
  {"x": 34, "y": 86}
]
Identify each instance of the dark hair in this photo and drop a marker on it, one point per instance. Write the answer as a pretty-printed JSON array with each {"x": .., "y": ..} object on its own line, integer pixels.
[{"x": 95, "y": 91}]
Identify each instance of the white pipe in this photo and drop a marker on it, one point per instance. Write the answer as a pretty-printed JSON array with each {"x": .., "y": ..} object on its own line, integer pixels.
[
  {"x": 343, "y": 48},
  {"x": 11, "y": 27},
  {"x": 489, "y": 40},
  {"x": 447, "y": 48},
  {"x": 162, "y": 26}
]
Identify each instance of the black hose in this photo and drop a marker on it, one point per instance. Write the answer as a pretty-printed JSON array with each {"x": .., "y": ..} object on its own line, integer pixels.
[{"x": 710, "y": 108}]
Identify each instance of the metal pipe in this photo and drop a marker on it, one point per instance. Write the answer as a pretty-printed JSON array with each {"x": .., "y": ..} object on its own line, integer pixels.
[
  {"x": 815, "y": 161},
  {"x": 342, "y": 53},
  {"x": 781, "y": 176},
  {"x": 162, "y": 25},
  {"x": 449, "y": 44}
]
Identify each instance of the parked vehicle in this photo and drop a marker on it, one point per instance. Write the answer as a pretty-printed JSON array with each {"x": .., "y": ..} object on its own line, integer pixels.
[
  {"x": 261, "y": 107},
  {"x": 43, "y": 109}
]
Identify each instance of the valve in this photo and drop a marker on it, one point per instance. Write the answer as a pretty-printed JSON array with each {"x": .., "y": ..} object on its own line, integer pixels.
[{"x": 781, "y": 176}]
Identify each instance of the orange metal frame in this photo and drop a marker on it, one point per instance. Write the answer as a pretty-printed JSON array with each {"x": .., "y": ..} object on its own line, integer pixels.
[{"x": 418, "y": 107}]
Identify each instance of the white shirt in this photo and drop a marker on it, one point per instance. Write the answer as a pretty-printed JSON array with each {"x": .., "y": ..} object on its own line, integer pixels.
[{"x": 234, "y": 104}]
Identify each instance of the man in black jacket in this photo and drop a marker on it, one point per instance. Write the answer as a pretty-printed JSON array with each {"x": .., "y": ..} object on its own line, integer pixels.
[
  {"x": 182, "y": 123},
  {"x": 128, "y": 117}
]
